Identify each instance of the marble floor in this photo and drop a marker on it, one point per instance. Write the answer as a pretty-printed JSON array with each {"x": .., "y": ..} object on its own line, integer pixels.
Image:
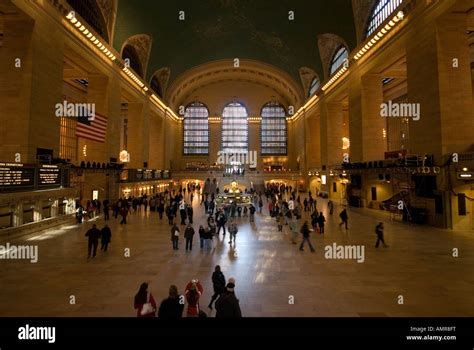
[{"x": 273, "y": 278}]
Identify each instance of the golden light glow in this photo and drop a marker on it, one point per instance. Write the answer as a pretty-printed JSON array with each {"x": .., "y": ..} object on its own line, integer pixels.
[
  {"x": 335, "y": 77},
  {"x": 388, "y": 27},
  {"x": 346, "y": 143}
]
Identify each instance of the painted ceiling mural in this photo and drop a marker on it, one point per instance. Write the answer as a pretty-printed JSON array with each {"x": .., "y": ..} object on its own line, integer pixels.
[{"x": 227, "y": 29}]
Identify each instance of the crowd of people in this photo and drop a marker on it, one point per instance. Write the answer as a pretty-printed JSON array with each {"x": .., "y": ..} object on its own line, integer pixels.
[
  {"x": 284, "y": 205},
  {"x": 223, "y": 299}
]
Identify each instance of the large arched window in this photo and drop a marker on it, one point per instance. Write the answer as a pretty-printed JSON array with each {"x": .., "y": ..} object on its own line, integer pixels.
[
  {"x": 156, "y": 86},
  {"x": 235, "y": 128},
  {"x": 129, "y": 53},
  {"x": 89, "y": 10},
  {"x": 382, "y": 10},
  {"x": 196, "y": 129},
  {"x": 273, "y": 130},
  {"x": 338, "y": 59},
  {"x": 315, "y": 84}
]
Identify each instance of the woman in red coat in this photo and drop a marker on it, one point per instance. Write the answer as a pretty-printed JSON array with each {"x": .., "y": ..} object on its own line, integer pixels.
[
  {"x": 144, "y": 302},
  {"x": 193, "y": 293}
]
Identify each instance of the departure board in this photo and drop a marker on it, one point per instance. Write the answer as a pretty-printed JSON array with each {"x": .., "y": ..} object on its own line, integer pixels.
[
  {"x": 16, "y": 175},
  {"x": 49, "y": 175}
]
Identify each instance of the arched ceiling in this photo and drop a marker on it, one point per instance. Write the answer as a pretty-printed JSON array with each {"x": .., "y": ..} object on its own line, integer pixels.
[
  {"x": 226, "y": 29},
  {"x": 252, "y": 72}
]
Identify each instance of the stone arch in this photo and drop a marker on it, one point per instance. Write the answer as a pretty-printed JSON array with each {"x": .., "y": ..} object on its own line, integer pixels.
[
  {"x": 138, "y": 47},
  {"x": 307, "y": 75},
  {"x": 328, "y": 44},
  {"x": 362, "y": 10},
  {"x": 159, "y": 81},
  {"x": 91, "y": 12}
]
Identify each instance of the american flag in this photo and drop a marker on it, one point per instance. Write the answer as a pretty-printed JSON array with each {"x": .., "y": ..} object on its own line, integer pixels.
[{"x": 94, "y": 128}]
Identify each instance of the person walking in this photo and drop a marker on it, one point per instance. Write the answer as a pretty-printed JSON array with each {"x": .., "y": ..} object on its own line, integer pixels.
[
  {"x": 106, "y": 237},
  {"x": 193, "y": 293},
  {"x": 221, "y": 221},
  {"x": 280, "y": 220},
  {"x": 93, "y": 234},
  {"x": 233, "y": 232},
  {"x": 344, "y": 218},
  {"x": 173, "y": 306},
  {"x": 106, "y": 209},
  {"x": 190, "y": 213},
  {"x": 218, "y": 282},
  {"x": 379, "y": 232},
  {"x": 183, "y": 211},
  {"x": 144, "y": 302},
  {"x": 189, "y": 234},
  {"x": 305, "y": 230},
  {"x": 330, "y": 207},
  {"x": 175, "y": 236},
  {"x": 227, "y": 306},
  {"x": 202, "y": 236},
  {"x": 321, "y": 221},
  {"x": 252, "y": 211},
  {"x": 124, "y": 213},
  {"x": 293, "y": 224}
]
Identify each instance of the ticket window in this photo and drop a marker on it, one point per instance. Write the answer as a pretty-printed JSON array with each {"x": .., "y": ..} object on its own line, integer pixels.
[
  {"x": 28, "y": 213},
  {"x": 46, "y": 210},
  {"x": 6, "y": 217},
  {"x": 62, "y": 207}
]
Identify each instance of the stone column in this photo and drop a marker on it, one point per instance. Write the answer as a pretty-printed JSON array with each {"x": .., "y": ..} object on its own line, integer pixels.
[
  {"x": 136, "y": 140},
  {"x": 439, "y": 78},
  {"x": 365, "y": 121},
  {"x": 38, "y": 211}
]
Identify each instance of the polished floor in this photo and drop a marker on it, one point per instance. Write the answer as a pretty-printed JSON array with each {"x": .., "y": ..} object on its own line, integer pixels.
[{"x": 270, "y": 272}]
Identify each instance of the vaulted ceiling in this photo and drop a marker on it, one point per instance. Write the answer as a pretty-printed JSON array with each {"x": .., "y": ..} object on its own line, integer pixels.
[{"x": 227, "y": 29}]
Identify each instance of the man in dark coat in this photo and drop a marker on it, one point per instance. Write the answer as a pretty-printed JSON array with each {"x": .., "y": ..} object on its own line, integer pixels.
[
  {"x": 227, "y": 306},
  {"x": 106, "y": 237},
  {"x": 93, "y": 235},
  {"x": 189, "y": 234},
  {"x": 218, "y": 282},
  {"x": 172, "y": 307}
]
